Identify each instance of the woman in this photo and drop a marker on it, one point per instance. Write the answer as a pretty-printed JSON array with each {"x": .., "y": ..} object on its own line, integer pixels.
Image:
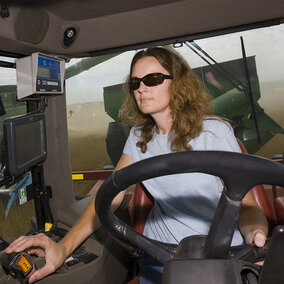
[{"x": 169, "y": 108}]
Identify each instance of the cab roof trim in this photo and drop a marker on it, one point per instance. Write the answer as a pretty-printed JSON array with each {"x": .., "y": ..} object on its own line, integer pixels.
[{"x": 102, "y": 26}]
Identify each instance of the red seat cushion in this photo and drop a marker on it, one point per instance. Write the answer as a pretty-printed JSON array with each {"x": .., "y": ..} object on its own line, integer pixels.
[
  {"x": 279, "y": 209},
  {"x": 134, "y": 281},
  {"x": 143, "y": 202}
]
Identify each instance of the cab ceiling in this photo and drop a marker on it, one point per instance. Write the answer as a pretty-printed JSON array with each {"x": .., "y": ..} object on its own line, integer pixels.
[{"x": 104, "y": 25}]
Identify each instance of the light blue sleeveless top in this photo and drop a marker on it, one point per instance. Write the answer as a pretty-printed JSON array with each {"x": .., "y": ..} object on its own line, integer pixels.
[{"x": 184, "y": 203}]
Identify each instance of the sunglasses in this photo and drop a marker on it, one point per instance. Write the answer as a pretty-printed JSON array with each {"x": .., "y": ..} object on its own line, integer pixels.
[{"x": 150, "y": 80}]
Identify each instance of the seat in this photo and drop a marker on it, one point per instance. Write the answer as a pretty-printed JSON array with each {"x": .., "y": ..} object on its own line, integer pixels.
[
  {"x": 278, "y": 198},
  {"x": 279, "y": 209},
  {"x": 142, "y": 204}
]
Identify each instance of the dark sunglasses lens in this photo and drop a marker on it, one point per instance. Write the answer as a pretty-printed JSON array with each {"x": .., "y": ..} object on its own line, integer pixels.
[
  {"x": 153, "y": 80},
  {"x": 149, "y": 80},
  {"x": 134, "y": 83}
]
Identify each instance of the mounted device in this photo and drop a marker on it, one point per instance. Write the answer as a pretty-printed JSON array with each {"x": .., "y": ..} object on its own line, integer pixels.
[
  {"x": 24, "y": 143},
  {"x": 40, "y": 74},
  {"x": 18, "y": 265}
]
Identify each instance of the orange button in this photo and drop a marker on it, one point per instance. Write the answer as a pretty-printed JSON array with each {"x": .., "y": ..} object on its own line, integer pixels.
[{"x": 24, "y": 264}]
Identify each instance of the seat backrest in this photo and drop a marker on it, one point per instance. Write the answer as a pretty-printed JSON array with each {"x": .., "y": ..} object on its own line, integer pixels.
[
  {"x": 279, "y": 209},
  {"x": 142, "y": 204}
]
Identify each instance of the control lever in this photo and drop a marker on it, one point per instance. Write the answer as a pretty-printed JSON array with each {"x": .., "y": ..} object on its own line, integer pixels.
[
  {"x": 250, "y": 253},
  {"x": 19, "y": 265},
  {"x": 80, "y": 255}
]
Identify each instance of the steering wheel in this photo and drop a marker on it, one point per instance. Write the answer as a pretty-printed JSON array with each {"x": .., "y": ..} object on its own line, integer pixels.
[{"x": 239, "y": 172}]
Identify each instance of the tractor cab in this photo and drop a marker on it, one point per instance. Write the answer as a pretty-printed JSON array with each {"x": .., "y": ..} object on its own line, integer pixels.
[{"x": 62, "y": 68}]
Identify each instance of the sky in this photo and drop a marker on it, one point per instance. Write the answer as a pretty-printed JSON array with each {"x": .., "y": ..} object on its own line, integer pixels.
[{"x": 267, "y": 44}]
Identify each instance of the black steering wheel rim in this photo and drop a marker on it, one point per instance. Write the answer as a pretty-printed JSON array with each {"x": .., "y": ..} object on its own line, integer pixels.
[{"x": 239, "y": 172}]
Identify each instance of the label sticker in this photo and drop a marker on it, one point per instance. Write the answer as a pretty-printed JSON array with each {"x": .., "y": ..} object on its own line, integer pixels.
[
  {"x": 23, "y": 196},
  {"x": 77, "y": 177}
]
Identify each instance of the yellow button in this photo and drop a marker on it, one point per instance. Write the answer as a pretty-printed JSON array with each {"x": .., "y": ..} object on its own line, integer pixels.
[{"x": 47, "y": 227}]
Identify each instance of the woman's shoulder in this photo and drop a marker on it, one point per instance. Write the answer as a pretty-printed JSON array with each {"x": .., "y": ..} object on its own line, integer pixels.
[
  {"x": 135, "y": 129},
  {"x": 216, "y": 124},
  {"x": 135, "y": 132},
  {"x": 218, "y": 134}
]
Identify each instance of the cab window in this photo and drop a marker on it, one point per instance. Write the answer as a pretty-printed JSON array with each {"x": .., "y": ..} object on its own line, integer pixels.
[
  {"x": 242, "y": 71},
  {"x": 10, "y": 209}
]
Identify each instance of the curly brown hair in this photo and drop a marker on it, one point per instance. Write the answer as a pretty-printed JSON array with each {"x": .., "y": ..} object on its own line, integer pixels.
[{"x": 189, "y": 101}]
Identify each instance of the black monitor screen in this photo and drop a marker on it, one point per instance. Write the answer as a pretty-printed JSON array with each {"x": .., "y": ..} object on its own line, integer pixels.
[{"x": 24, "y": 142}]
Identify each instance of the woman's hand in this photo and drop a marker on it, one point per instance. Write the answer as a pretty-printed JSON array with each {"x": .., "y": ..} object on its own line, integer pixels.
[
  {"x": 256, "y": 237},
  {"x": 42, "y": 246}
]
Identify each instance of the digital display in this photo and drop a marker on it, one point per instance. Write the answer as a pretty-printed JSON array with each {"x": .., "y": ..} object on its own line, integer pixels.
[
  {"x": 48, "y": 75},
  {"x": 40, "y": 74},
  {"x": 31, "y": 142},
  {"x": 43, "y": 72},
  {"x": 24, "y": 143}
]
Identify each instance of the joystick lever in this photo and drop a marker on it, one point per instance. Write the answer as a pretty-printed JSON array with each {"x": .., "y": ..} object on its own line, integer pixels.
[{"x": 19, "y": 265}]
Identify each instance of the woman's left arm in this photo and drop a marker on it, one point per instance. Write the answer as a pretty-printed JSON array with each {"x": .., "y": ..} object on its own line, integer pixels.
[{"x": 252, "y": 222}]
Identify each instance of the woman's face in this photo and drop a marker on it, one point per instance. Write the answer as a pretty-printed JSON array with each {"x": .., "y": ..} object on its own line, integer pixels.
[{"x": 151, "y": 100}]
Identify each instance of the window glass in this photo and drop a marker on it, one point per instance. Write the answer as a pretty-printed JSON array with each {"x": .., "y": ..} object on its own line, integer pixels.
[
  {"x": 88, "y": 115},
  {"x": 249, "y": 92},
  {"x": 10, "y": 210},
  {"x": 266, "y": 79}
]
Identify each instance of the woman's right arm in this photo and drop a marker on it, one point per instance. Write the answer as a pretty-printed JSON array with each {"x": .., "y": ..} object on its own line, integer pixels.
[
  {"x": 56, "y": 253},
  {"x": 89, "y": 221}
]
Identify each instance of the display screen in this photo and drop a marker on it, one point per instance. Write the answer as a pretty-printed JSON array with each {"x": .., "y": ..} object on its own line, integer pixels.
[
  {"x": 40, "y": 74},
  {"x": 25, "y": 142},
  {"x": 43, "y": 72},
  {"x": 48, "y": 77},
  {"x": 31, "y": 143}
]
